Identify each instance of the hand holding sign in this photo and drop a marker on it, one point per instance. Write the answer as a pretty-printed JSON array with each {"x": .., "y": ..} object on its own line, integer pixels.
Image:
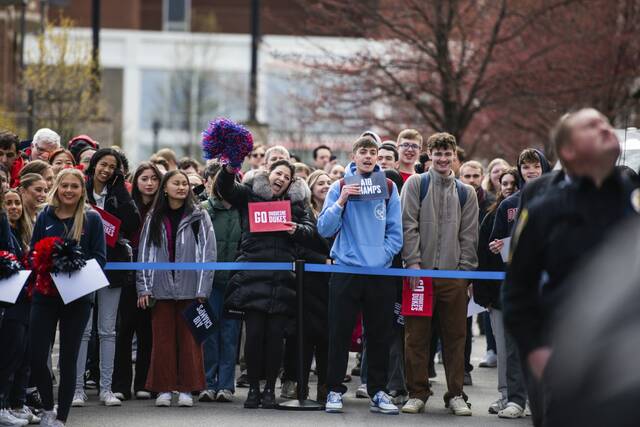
[
  {"x": 293, "y": 226},
  {"x": 270, "y": 216},
  {"x": 348, "y": 190}
]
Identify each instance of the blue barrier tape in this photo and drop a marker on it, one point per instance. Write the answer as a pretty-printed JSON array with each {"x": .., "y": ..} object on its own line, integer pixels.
[
  {"x": 220, "y": 266},
  {"x": 316, "y": 268},
  {"x": 436, "y": 274}
]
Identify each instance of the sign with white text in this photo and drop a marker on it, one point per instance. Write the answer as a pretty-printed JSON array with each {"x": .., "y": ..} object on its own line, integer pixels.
[
  {"x": 111, "y": 225},
  {"x": 417, "y": 301},
  {"x": 372, "y": 186},
  {"x": 269, "y": 216}
]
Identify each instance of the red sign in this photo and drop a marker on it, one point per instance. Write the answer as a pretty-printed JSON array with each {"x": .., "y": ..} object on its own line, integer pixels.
[
  {"x": 269, "y": 216},
  {"x": 418, "y": 301},
  {"x": 111, "y": 226}
]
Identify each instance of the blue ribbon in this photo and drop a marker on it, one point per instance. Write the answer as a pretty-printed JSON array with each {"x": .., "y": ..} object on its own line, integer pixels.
[
  {"x": 220, "y": 266},
  {"x": 315, "y": 268},
  {"x": 436, "y": 274}
]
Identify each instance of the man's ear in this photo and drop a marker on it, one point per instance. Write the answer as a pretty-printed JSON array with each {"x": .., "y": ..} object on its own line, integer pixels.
[{"x": 567, "y": 153}]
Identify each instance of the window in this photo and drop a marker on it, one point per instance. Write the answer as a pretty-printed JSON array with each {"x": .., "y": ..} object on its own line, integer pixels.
[
  {"x": 184, "y": 99},
  {"x": 176, "y": 15}
]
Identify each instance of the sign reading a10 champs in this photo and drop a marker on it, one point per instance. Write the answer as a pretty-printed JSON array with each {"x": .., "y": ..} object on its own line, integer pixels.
[{"x": 372, "y": 187}]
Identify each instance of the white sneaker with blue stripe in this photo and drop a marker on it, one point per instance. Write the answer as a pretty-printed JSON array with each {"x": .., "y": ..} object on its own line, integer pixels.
[
  {"x": 381, "y": 402},
  {"x": 334, "y": 402}
]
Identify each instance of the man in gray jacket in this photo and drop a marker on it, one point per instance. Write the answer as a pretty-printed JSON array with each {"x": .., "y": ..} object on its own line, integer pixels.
[{"x": 440, "y": 222}]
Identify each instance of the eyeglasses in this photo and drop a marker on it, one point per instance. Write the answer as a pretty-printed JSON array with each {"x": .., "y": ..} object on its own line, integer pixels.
[
  {"x": 256, "y": 155},
  {"x": 408, "y": 146}
]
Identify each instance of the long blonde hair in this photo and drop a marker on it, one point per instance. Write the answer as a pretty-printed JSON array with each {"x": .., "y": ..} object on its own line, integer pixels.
[
  {"x": 54, "y": 201},
  {"x": 487, "y": 184},
  {"x": 26, "y": 181},
  {"x": 311, "y": 182}
]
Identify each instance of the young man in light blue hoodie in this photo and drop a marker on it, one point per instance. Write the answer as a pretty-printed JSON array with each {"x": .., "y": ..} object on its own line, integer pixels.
[{"x": 368, "y": 233}]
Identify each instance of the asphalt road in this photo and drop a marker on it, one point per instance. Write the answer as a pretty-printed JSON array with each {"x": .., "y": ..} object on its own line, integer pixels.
[{"x": 144, "y": 413}]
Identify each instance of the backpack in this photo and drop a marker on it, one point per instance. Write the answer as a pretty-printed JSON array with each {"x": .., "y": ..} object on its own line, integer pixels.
[{"x": 425, "y": 180}]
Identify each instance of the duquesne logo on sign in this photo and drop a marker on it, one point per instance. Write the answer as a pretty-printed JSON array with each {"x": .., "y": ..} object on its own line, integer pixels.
[
  {"x": 111, "y": 226},
  {"x": 269, "y": 216},
  {"x": 418, "y": 301},
  {"x": 372, "y": 187}
]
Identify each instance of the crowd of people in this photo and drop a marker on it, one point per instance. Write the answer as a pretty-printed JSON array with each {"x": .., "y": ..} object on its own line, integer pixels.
[{"x": 442, "y": 212}]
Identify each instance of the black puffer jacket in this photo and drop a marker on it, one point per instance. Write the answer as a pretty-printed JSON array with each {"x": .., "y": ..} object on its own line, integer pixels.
[
  {"x": 118, "y": 202},
  {"x": 266, "y": 291},
  {"x": 487, "y": 292}
]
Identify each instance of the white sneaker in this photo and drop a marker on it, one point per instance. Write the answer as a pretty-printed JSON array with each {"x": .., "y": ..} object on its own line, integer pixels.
[
  {"x": 413, "y": 406},
  {"x": 334, "y": 402},
  {"x": 109, "y": 399},
  {"x": 25, "y": 413},
  {"x": 497, "y": 406},
  {"x": 119, "y": 395},
  {"x": 207, "y": 396},
  {"x": 224, "y": 396},
  {"x": 381, "y": 403},
  {"x": 7, "y": 419},
  {"x": 185, "y": 400},
  {"x": 490, "y": 360},
  {"x": 48, "y": 417},
  {"x": 79, "y": 399},
  {"x": 164, "y": 399},
  {"x": 459, "y": 407},
  {"x": 361, "y": 392},
  {"x": 527, "y": 410},
  {"x": 143, "y": 395},
  {"x": 512, "y": 411}
]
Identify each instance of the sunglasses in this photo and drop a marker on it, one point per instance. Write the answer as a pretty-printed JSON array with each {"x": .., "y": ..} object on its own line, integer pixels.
[{"x": 256, "y": 155}]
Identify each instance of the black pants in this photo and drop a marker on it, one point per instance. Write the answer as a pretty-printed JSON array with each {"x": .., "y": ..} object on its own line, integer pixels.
[
  {"x": 13, "y": 342},
  {"x": 290, "y": 360},
  {"x": 375, "y": 296},
  {"x": 468, "y": 367},
  {"x": 263, "y": 347},
  {"x": 315, "y": 344},
  {"x": 73, "y": 317},
  {"x": 131, "y": 320}
]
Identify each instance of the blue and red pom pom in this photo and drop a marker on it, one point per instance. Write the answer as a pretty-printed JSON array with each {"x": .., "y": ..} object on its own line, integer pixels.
[{"x": 226, "y": 141}]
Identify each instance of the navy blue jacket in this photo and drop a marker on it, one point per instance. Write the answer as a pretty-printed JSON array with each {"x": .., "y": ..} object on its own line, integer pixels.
[{"x": 92, "y": 240}]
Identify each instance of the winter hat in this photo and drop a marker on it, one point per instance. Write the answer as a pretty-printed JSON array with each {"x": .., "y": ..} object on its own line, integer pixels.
[
  {"x": 79, "y": 143},
  {"x": 373, "y": 135}
]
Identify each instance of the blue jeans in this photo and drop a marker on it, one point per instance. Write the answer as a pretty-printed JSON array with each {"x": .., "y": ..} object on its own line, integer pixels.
[{"x": 220, "y": 349}]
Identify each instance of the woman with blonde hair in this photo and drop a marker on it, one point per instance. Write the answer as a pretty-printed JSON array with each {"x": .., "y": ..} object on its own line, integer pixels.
[
  {"x": 66, "y": 215},
  {"x": 33, "y": 190},
  {"x": 319, "y": 182},
  {"x": 495, "y": 169}
]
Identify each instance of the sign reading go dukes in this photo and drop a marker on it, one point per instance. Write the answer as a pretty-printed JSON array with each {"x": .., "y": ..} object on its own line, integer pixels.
[{"x": 269, "y": 216}]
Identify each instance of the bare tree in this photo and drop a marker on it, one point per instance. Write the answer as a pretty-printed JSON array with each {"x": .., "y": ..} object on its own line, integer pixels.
[{"x": 482, "y": 70}]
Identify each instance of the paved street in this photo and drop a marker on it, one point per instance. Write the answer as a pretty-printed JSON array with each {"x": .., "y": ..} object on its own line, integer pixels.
[{"x": 143, "y": 413}]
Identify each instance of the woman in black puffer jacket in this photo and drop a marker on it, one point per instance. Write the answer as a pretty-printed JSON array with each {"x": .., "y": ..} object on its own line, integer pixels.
[{"x": 266, "y": 297}]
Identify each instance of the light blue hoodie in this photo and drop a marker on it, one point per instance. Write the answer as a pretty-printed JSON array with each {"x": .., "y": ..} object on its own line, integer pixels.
[{"x": 369, "y": 232}]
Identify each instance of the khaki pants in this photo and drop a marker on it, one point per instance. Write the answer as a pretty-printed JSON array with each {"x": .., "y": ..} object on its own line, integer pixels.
[
  {"x": 176, "y": 357},
  {"x": 450, "y": 298}
]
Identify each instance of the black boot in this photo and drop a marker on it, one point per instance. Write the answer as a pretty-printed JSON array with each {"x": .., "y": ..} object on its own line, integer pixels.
[
  {"x": 253, "y": 398},
  {"x": 268, "y": 399}
]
